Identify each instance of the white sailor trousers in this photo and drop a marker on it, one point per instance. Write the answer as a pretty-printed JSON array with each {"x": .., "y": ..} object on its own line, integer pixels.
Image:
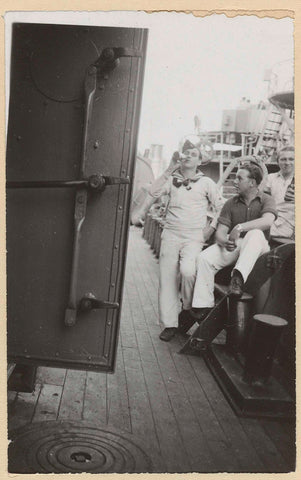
[
  {"x": 214, "y": 258},
  {"x": 178, "y": 257}
]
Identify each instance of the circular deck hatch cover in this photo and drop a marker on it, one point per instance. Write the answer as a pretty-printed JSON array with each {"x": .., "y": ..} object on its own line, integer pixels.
[{"x": 67, "y": 447}]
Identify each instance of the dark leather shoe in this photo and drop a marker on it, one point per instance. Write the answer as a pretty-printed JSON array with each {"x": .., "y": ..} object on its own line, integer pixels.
[
  {"x": 167, "y": 334},
  {"x": 200, "y": 314},
  {"x": 236, "y": 284},
  {"x": 185, "y": 321}
]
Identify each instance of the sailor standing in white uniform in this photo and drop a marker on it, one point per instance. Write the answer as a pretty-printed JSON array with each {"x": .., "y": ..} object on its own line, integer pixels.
[{"x": 185, "y": 231}]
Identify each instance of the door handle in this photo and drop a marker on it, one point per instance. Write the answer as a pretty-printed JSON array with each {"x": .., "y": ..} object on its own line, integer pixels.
[
  {"x": 109, "y": 57},
  {"x": 90, "y": 302},
  {"x": 79, "y": 218},
  {"x": 95, "y": 183},
  {"x": 80, "y": 198},
  {"x": 98, "y": 183}
]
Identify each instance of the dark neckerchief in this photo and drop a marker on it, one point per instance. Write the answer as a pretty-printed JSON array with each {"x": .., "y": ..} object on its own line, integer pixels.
[{"x": 178, "y": 179}]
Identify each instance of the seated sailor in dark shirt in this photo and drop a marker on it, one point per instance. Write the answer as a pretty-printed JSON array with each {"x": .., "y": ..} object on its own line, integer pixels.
[{"x": 241, "y": 237}]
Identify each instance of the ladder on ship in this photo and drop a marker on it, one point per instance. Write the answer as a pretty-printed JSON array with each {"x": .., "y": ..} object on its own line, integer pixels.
[
  {"x": 267, "y": 141},
  {"x": 268, "y": 137}
]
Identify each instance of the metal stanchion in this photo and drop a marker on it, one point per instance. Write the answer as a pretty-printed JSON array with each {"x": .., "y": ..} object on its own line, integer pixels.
[{"x": 264, "y": 337}]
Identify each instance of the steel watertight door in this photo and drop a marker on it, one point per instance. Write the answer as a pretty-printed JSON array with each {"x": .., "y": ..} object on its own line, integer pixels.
[{"x": 74, "y": 107}]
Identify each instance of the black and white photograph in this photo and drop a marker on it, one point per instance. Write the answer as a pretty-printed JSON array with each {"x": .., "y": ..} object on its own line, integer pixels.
[{"x": 150, "y": 243}]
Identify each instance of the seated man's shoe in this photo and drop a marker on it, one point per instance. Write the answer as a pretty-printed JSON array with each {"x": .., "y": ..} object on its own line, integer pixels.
[
  {"x": 167, "y": 334},
  {"x": 236, "y": 284},
  {"x": 185, "y": 321},
  {"x": 199, "y": 314}
]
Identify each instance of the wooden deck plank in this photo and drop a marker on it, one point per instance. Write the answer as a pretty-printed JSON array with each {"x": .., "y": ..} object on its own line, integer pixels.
[
  {"x": 149, "y": 296},
  {"x": 283, "y": 440},
  {"x": 72, "y": 401},
  {"x": 51, "y": 376},
  {"x": 141, "y": 415},
  {"x": 150, "y": 290},
  {"x": 181, "y": 419},
  {"x": 213, "y": 437},
  {"x": 142, "y": 421},
  {"x": 48, "y": 403},
  {"x": 169, "y": 402},
  {"x": 266, "y": 449},
  {"x": 22, "y": 409},
  {"x": 217, "y": 441},
  {"x": 147, "y": 265},
  {"x": 166, "y": 445},
  {"x": 126, "y": 326},
  {"x": 172, "y": 446},
  {"x": 136, "y": 307},
  {"x": 241, "y": 446},
  {"x": 117, "y": 400},
  {"x": 95, "y": 399},
  {"x": 168, "y": 431}
]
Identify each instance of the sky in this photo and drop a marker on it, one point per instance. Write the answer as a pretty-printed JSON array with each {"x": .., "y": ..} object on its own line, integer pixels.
[
  {"x": 202, "y": 66},
  {"x": 194, "y": 66}
]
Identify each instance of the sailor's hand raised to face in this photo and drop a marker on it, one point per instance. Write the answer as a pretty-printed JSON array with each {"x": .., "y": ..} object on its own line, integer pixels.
[{"x": 174, "y": 162}]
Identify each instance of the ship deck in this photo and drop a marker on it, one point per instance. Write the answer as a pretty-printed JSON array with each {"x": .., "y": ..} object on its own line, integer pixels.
[{"x": 171, "y": 401}]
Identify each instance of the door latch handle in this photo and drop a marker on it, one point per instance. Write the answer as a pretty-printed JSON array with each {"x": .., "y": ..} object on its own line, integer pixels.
[
  {"x": 87, "y": 303},
  {"x": 99, "y": 182},
  {"x": 112, "y": 53},
  {"x": 109, "y": 57},
  {"x": 90, "y": 302},
  {"x": 95, "y": 182}
]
